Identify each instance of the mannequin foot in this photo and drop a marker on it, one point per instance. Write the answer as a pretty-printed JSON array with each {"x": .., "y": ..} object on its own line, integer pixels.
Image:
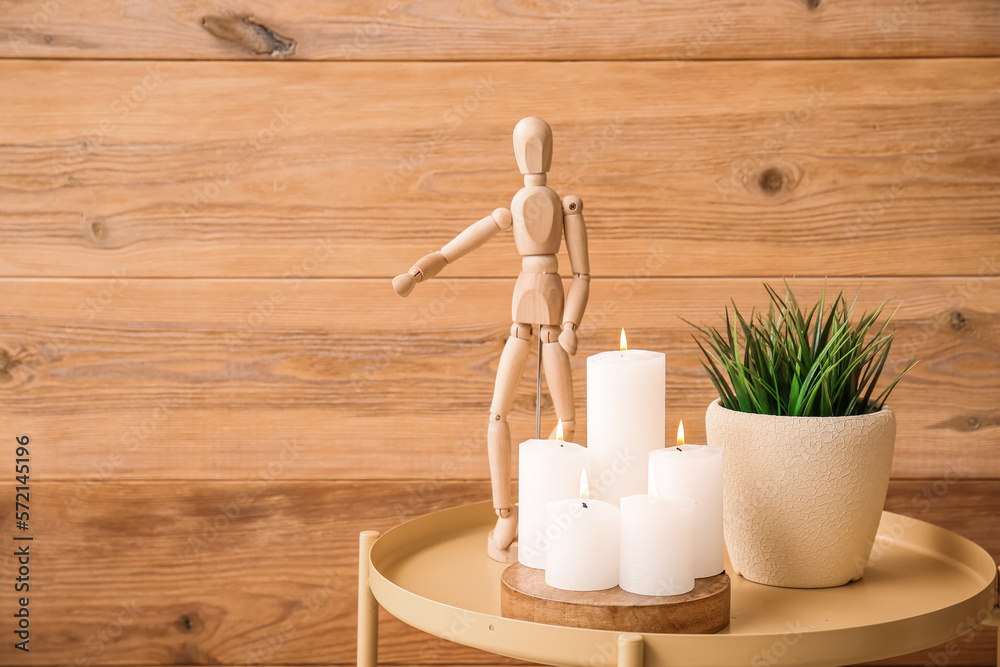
[{"x": 501, "y": 545}]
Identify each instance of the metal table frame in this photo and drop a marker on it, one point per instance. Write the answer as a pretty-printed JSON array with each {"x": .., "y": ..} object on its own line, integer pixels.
[{"x": 390, "y": 572}]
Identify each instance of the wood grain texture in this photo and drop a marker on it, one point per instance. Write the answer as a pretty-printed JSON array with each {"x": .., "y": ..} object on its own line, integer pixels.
[
  {"x": 177, "y": 573},
  {"x": 209, "y": 449},
  {"x": 342, "y": 379},
  {"x": 173, "y": 169},
  {"x": 525, "y": 596},
  {"x": 481, "y": 30}
]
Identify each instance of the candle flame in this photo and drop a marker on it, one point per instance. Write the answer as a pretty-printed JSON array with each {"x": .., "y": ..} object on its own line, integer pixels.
[
  {"x": 623, "y": 342},
  {"x": 680, "y": 433},
  {"x": 652, "y": 486},
  {"x": 559, "y": 431},
  {"x": 584, "y": 487}
]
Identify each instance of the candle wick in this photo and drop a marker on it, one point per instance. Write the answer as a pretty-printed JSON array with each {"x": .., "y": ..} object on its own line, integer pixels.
[
  {"x": 678, "y": 449},
  {"x": 584, "y": 505}
]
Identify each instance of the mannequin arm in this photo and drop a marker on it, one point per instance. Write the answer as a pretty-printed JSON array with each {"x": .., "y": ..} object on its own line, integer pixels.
[
  {"x": 471, "y": 238},
  {"x": 579, "y": 258}
]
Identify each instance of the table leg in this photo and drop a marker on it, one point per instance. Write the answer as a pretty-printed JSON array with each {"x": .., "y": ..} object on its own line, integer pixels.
[
  {"x": 996, "y": 615},
  {"x": 630, "y": 650},
  {"x": 995, "y": 621},
  {"x": 367, "y": 605}
]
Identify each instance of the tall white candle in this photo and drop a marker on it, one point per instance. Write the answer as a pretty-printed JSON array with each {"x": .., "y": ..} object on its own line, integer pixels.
[
  {"x": 695, "y": 471},
  {"x": 657, "y": 545},
  {"x": 583, "y": 537},
  {"x": 625, "y": 420},
  {"x": 547, "y": 470}
]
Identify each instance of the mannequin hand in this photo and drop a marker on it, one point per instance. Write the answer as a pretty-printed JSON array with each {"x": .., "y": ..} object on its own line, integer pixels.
[
  {"x": 404, "y": 284},
  {"x": 568, "y": 340},
  {"x": 426, "y": 268}
]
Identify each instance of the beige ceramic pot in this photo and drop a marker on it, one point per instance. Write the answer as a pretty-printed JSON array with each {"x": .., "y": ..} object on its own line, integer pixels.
[{"x": 802, "y": 496}]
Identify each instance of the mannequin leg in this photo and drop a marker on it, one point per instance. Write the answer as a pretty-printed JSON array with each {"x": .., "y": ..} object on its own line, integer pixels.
[
  {"x": 512, "y": 360},
  {"x": 559, "y": 379}
]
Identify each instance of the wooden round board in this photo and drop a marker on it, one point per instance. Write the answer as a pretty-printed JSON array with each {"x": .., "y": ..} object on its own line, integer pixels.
[{"x": 525, "y": 596}]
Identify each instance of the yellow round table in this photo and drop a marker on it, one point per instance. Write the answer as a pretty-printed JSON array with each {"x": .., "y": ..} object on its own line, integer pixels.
[{"x": 923, "y": 586}]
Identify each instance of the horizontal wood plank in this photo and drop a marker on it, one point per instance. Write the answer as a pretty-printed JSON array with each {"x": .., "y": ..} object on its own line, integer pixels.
[
  {"x": 174, "y": 169},
  {"x": 342, "y": 379},
  {"x": 480, "y": 30},
  {"x": 181, "y": 573}
]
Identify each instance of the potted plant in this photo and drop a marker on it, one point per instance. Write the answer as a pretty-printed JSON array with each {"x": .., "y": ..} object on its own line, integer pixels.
[{"x": 807, "y": 439}]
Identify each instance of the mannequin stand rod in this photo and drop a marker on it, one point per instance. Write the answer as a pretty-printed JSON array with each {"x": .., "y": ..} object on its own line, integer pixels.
[{"x": 538, "y": 391}]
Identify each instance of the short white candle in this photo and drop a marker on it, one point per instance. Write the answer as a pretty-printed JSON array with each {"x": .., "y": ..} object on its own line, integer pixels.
[
  {"x": 657, "y": 545},
  {"x": 582, "y": 551},
  {"x": 625, "y": 419},
  {"x": 695, "y": 471},
  {"x": 547, "y": 470}
]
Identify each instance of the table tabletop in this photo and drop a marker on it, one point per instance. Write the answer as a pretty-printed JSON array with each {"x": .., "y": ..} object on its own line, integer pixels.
[{"x": 923, "y": 586}]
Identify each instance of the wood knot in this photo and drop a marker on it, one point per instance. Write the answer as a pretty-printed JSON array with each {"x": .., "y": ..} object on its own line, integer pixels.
[
  {"x": 972, "y": 424},
  {"x": 185, "y": 624},
  {"x": 772, "y": 181},
  {"x": 957, "y": 321},
  {"x": 99, "y": 230},
  {"x": 249, "y": 35},
  {"x": 813, "y": 5}
]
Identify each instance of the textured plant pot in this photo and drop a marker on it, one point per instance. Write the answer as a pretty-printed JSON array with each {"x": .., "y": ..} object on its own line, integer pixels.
[{"x": 802, "y": 496}]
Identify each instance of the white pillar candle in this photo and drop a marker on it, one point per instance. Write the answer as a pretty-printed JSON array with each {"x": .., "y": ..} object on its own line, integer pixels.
[
  {"x": 583, "y": 545},
  {"x": 657, "y": 545},
  {"x": 695, "y": 471},
  {"x": 625, "y": 420},
  {"x": 547, "y": 470}
]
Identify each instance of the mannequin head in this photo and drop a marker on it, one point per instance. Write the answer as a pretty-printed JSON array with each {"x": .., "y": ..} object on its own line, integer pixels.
[{"x": 533, "y": 145}]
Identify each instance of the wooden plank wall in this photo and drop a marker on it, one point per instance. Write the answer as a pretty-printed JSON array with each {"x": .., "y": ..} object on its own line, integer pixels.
[{"x": 201, "y": 205}]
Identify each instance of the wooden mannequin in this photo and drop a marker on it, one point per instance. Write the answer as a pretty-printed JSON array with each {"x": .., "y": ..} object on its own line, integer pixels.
[{"x": 539, "y": 220}]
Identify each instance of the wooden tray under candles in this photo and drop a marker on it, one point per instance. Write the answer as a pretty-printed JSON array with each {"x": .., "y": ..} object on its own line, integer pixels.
[{"x": 525, "y": 596}]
